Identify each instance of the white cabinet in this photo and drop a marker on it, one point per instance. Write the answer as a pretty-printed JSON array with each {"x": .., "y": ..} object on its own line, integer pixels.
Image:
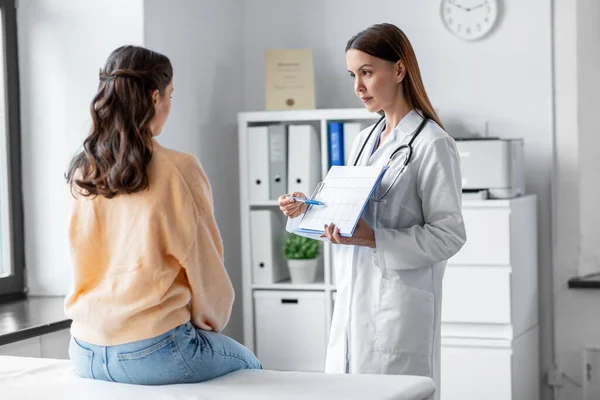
[
  {"x": 56, "y": 344},
  {"x": 462, "y": 285},
  {"x": 491, "y": 369},
  {"x": 488, "y": 234},
  {"x": 290, "y": 329},
  {"x": 490, "y": 305},
  {"x": 23, "y": 348},
  {"x": 488, "y": 368},
  {"x": 50, "y": 345}
]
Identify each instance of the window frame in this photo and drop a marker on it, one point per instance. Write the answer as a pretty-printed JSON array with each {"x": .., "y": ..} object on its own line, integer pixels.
[{"x": 14, "y": 284}]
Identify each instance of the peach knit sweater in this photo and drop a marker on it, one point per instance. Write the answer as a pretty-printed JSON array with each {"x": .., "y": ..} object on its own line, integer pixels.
[{"x": 147, "y": 262}]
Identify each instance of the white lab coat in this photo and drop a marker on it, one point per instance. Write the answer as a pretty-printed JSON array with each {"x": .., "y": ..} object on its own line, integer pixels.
[{"x": 388, "y": 305}]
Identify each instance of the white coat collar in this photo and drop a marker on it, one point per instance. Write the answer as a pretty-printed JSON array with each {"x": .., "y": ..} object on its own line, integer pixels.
[{"x": 407, "y": 125}]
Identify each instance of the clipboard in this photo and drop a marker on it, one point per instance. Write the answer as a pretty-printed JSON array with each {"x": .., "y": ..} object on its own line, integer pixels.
[{"x": 345, "y": 192}]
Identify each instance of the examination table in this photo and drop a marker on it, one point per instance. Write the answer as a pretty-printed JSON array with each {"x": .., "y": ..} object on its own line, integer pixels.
[{"x": 41, "y": 378}]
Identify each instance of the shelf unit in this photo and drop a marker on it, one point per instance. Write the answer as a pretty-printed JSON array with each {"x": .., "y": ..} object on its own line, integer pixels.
[
  {"x": 318, "y": 119},
  {"x": 489, "y": 306}
]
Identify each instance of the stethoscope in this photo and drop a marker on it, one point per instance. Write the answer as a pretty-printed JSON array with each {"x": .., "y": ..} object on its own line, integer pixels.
[{"x": 405, "y": 150}]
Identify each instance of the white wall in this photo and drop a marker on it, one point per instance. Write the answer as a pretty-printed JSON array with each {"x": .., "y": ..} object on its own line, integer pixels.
[
  {"x": 62, "y": 45},
  {"x": 505, "y": 79},
  {"x": 577, "y": 250},
  {"x": 588, "y": 86},
  {"x": 203, "y": 39}
]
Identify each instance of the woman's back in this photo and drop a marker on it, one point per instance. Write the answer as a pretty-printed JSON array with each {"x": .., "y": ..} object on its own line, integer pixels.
[
  {"x": 150, "y": 290},
  {"x": 129, "y": 254}
]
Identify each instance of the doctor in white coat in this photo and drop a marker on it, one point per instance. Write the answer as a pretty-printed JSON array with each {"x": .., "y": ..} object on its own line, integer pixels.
[{"x": 389, "y": 274}]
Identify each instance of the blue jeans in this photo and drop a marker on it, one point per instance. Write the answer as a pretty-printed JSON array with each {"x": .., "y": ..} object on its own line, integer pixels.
[{"x": 181, "y": 355}]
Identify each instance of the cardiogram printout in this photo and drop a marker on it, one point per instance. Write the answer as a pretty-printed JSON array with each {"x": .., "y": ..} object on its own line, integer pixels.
[{"x": 345, "y": 192}]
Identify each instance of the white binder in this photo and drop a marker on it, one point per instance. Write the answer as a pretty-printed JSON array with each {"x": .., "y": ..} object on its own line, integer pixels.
[
  {"x": 267, "y": 230},
  {"x": 304, "y": 159},
  {"x": 258, "y": 163},
  {"x": 278, "y": 161},
  {"x": 351, "y": 130}
]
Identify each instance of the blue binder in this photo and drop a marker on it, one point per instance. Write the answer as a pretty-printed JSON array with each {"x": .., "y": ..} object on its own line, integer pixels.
[{"x": 336, "y": 143}]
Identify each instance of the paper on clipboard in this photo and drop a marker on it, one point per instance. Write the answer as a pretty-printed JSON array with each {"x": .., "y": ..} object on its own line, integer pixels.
[{"x": 345, "y": 192}]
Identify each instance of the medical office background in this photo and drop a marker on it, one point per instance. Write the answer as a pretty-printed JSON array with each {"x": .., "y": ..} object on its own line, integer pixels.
[{"x": 534, "y": 77}]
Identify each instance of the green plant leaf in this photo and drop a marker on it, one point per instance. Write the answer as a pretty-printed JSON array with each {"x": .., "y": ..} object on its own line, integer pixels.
[{"x": 300, "y": 248}]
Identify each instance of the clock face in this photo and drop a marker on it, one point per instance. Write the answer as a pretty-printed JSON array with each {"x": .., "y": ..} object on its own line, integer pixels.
[{"x": 469, "y": 19}]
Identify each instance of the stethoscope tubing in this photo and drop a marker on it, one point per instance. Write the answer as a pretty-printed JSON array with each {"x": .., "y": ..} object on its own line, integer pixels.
[{"x": 394, "y": 153}]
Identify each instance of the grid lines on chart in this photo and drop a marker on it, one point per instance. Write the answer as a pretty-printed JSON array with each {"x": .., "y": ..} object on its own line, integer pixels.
[{"x": 344, "y": 198}]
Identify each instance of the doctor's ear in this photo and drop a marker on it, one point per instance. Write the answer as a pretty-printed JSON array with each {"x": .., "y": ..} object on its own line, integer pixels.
[{"x": 400, "y": 71}]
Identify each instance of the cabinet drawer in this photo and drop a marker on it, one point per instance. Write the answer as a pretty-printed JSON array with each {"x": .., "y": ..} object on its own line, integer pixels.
[
  {"x": 23, "y": 348},
  {"x": 290, "y": 330},
  {"x": 476, "y": 295},
  {"x": 488, "y": 237},
  {"x": 56, "y": 344},
  {"x": 476, "y": 373}
]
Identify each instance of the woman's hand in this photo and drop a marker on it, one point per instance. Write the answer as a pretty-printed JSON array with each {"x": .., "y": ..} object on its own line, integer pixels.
[
  {"x": 290, "y": 207},
  {"x": 363, "y": 235}
]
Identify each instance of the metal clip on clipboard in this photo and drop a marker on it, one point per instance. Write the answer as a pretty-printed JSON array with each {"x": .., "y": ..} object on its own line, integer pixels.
[{"x": 317, "y": 190}]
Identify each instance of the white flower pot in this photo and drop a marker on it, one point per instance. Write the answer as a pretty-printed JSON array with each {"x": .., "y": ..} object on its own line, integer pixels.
[{"x": 303, "y": 271}]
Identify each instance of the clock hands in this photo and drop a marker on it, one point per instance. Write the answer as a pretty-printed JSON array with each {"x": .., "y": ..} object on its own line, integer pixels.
[
  {"x": 468, "y": 9},
  {"x": 476, "y": 7},
  {"x": 459, "y": 6}
]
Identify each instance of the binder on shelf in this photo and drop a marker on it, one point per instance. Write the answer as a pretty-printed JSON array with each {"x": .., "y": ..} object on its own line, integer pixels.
[
  {"x": 336, "y": 143},
  {"x": 351, "y": 131},
  {"x": 258, "y": 163},
  {"x": 267, "y": 230},
  {"x": 304, "y": 159},
  {"x": 278, "y": 161}
]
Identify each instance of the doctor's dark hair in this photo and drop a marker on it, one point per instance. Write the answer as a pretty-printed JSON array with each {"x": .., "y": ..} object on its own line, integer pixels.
[
  {"x": 388, "y": 42},
  {"x": 118, "y": 149}
]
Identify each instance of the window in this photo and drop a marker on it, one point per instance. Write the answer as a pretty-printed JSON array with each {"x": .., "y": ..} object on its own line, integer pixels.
[{"x": 12, "y": 257}]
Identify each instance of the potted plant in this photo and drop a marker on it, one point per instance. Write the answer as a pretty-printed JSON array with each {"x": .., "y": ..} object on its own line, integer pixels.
[{"x": 301, "y": 254}]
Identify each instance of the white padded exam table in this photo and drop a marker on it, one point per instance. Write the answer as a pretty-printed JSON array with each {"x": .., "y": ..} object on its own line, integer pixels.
[{"x": 41, "y": 378}]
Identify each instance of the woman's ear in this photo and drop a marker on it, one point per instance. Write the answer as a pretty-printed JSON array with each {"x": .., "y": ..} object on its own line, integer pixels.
[
  {"x": 155, "y": 94},
  {"x": 400, "y": 71}
]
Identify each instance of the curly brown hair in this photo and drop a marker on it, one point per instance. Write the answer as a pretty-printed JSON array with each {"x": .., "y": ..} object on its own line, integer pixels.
[{"x": 117, "y": 151}]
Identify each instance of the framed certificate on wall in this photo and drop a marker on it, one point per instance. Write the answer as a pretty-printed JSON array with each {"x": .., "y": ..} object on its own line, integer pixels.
[{"x": 289, "y": 79}]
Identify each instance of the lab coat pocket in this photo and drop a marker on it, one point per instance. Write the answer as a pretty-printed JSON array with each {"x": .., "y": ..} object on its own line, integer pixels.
[
  {"x": 389, "y": 211},
  {"x": 405, "y": 321}
]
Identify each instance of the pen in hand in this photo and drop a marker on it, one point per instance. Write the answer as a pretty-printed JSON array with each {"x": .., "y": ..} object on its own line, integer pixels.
[{"x": 307, "y": 201}]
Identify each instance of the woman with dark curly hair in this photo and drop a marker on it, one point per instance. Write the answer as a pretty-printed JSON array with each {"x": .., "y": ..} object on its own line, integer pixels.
[{"x": 150, "y": 291}]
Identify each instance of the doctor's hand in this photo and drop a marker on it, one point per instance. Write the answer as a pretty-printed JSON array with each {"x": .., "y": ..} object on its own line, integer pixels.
[
  {"x": 363, "y": 235},
  {"x": 290, "y": 207}
]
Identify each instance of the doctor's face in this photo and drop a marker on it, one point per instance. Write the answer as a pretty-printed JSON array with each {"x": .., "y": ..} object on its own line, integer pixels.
[{"x": 375, "y": 80}]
